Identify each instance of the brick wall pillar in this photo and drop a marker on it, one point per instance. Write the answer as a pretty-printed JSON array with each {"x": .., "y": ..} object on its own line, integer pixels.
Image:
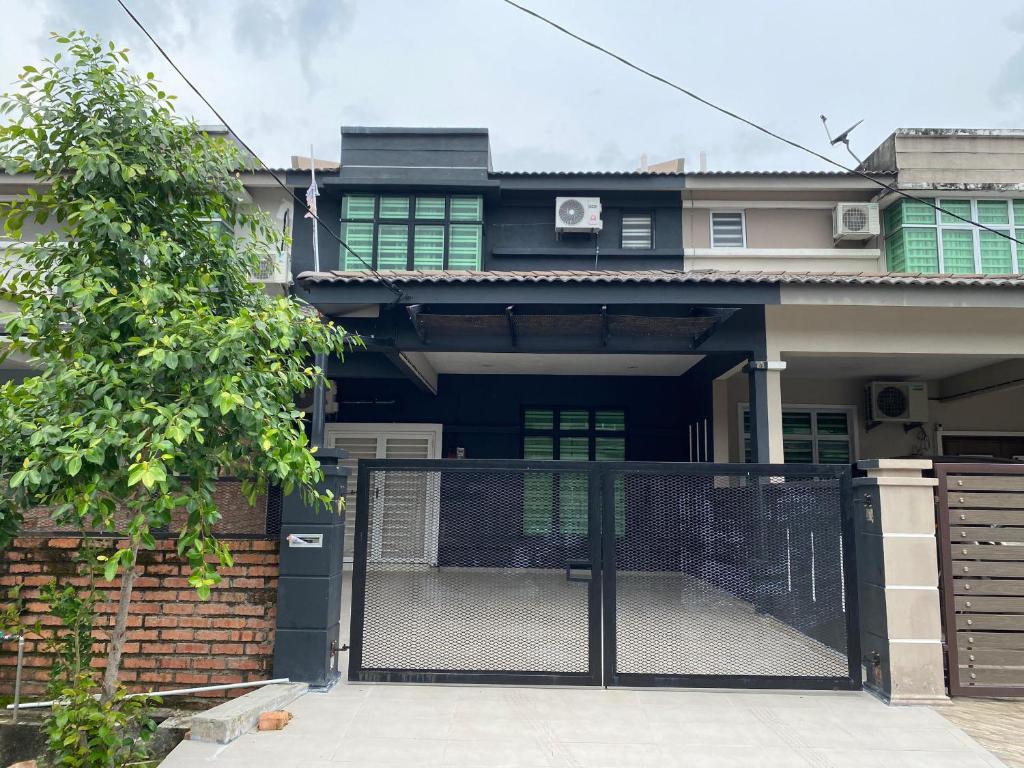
[
  {"x": 897, "y": 566},
  {"x": 309, "y": 586}
]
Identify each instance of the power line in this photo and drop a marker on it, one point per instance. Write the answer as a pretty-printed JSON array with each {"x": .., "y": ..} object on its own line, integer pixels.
[
  {"x": 751, "y": 123},
  {"x": 317, "y": 222}
]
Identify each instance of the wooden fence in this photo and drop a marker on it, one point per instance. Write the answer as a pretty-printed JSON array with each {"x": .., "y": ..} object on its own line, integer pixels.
[{"x": 981, "y": 551}]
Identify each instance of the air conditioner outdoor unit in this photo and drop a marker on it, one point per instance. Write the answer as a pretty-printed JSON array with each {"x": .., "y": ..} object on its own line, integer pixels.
[
  {"x": 578, "y": 214},
  {"x": 899, "y": 401},
  {"x": 274, "y": 269},
  {"x": 855, "y": 221},
  {"x": 304, "y": 402}
]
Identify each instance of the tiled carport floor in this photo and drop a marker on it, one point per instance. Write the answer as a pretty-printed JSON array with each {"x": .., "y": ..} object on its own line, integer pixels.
[{"x": 434, "y": 726}]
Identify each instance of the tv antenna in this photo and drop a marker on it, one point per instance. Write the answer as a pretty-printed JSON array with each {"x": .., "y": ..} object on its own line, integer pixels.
[{"x": 842, "y": 138}]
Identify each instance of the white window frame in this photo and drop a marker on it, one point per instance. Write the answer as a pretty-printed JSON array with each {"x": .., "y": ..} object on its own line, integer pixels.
[
  {"x": 743, "y": 225},
  {"x": 938, "y": 226},
  {"x": 813, "y": 409},
  {"x": 381, "y": 430}
]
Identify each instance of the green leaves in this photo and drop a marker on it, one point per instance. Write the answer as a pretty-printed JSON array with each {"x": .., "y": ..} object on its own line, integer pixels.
[
  {"x": 161, "y": 366},
  {"x": 149, "y": 473}
]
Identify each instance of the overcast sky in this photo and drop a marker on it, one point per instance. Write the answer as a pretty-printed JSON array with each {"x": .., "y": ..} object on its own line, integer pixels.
[{"x": 289, "y": 72}]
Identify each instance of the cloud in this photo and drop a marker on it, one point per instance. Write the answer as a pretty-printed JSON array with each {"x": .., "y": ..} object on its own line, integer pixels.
[
  {"x": 303, "y": 28},
  {"x": 1008, "y": 90}
]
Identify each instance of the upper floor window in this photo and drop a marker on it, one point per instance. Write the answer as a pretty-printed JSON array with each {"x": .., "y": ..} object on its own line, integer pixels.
[
  {"x": 400, "y": 232},
  {"x": 637, "y": 230},
  {"x": 920, "y": 239},
  {"x": 728, "y": 229}
]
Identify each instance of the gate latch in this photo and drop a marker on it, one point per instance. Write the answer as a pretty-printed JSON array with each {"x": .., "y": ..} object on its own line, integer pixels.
[{"x": 578, "y": 565}]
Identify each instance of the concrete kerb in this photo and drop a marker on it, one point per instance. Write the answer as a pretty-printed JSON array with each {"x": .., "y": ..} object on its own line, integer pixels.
[{"x": 226, "y": 722}]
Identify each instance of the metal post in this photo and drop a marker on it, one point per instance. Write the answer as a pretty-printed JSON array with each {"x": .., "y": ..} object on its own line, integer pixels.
[
  {"x": 319, "y": 406},
  {"x": 17, "y": 678}
]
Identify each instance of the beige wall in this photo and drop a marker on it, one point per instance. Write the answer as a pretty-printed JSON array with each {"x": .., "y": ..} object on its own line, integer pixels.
[
  {"x": 1000, "y": 411},
  {"x": 959, "y": 159},
  {"x": 922, "y": 336},
  {"x": 894, "y": 330},
  {"x": 785, "y": 238}
]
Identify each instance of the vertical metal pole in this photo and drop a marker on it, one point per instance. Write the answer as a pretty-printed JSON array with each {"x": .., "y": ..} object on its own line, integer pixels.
[
  {"x": 319, "y": 405},
  {"x": 316, "y": 224},
  {"x": 17, "y": 678}
]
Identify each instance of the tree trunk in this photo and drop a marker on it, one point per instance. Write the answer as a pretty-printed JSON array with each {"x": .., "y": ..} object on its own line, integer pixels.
[{"x": 120, "y": 633}]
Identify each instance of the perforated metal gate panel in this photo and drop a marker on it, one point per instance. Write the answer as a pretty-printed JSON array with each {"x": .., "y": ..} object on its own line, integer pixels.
[
  {"x": 621, "y": 573},
  {"x": 462, "y": 573},
  {"x": 723, "y": 577}
]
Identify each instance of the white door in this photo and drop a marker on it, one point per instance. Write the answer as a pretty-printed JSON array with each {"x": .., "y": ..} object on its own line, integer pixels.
[{"x": 406, "y": 530}]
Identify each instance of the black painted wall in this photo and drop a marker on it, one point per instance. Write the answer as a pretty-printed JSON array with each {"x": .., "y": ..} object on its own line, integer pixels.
[
  {"x": 483, "y": 414},
  {"x": 519, "y": 232},
  {"x": 519, "y": 209}
]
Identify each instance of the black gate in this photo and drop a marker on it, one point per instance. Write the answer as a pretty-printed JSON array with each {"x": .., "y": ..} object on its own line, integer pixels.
[{"x": 593, "y": 573}]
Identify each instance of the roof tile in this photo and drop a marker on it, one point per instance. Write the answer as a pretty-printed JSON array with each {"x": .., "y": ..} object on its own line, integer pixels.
[{"x": 661, "y": 276}]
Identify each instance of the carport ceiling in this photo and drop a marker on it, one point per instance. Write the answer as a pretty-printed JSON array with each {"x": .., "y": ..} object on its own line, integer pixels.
[
  {"x": 522, "y": 364},
  {"x": 925, "y": 367}
]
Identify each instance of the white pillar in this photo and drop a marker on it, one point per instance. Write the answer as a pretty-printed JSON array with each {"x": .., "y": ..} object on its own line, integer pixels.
[{"x": 898, "y": 581}]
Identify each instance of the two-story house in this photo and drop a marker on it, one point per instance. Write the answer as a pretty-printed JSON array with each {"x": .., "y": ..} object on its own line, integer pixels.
[{"x": 630, "y": 319}]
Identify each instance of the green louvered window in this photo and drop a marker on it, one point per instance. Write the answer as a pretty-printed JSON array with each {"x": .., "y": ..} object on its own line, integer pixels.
[
  {"x": 467, "y": 208},
  {"x": 430, "y": 207},
  {"x": 465, "y": 243},
  {"x": 996, "y": 254},
  {"x": 394, "y": 208},
  {"x": 818, "y": 435},
  {"x": 918, "y": 242},
  {"x": 568, "y": 434},
  {"x": 993, "y": 212},
  {"x": 958, "y": 251},
  {"x": 399, "y": 232},
  {"x": 961, "y": 208},
  {"x": 359, "y": 238},
  {"x": 428, "y": 247},
  {"x": 392, "y": 246},
  {"x": 358, "y": 207}
]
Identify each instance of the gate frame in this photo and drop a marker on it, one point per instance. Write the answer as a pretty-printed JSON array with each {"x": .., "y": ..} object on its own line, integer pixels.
[
  {"x": 601, "y": 624},
  {"x": 358, "y": 673},
  {"x": 840, "y": 472},
  {"x": 947, "y": 593}
]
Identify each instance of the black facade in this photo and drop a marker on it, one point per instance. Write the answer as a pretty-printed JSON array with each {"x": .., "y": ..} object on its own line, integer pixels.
[
  {"x": 502, "y": 286},
  {"x": 518, "y": 208},
  {"x": 721, "y": 326}
]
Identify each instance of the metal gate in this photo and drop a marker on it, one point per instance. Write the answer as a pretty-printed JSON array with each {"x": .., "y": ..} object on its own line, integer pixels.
[
  {"x": 981, "y": 551},
  {"x": 593, "y": 573}
]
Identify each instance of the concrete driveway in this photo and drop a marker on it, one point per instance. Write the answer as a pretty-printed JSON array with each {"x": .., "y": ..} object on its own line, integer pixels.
[{"x": 486, "y": 727}]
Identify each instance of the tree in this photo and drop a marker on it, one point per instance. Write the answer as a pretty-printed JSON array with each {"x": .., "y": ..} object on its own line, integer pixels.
[{"x": 161, "y": 366}]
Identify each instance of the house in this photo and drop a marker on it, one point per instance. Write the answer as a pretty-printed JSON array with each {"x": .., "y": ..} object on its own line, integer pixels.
[
  {"x": 603, "y": 425},
  {"x": 613, "y": 322}
]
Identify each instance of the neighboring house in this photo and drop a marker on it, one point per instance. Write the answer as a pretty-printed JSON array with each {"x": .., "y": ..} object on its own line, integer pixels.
[{"x": 261, "y": 191}]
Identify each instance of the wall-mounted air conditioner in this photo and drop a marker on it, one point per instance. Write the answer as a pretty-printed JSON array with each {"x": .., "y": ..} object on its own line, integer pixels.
[
  {"x": 855, "y": 221},
  {"x": 274, "y": 269},
  {"x": 578, "y": 214},
  {"x": 899, "y": 401}
]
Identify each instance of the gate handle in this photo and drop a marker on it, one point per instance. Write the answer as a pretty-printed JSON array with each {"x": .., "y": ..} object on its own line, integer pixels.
[{"x": 577, "y": 565}]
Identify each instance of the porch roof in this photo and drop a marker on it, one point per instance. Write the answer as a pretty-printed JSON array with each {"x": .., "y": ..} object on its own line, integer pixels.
[{"x": 663, "y": 276}]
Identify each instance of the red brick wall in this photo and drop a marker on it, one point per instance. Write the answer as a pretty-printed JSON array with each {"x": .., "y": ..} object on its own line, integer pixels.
[{"x": 175, "y": 640}]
